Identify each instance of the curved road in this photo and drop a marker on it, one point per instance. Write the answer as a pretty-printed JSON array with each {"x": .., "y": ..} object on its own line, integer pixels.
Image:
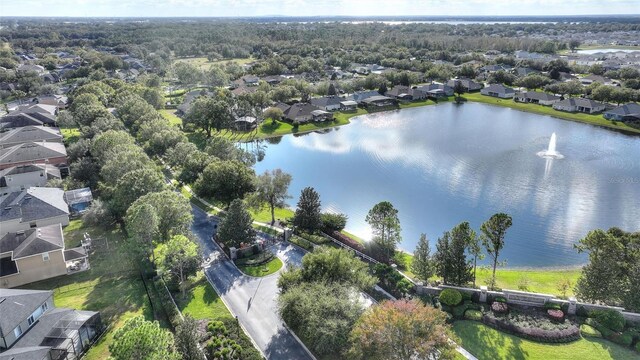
[{"x": 252, "y": 300}]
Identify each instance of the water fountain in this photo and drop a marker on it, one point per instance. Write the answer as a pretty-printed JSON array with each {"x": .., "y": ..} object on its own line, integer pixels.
[{"x": 551, "y": 152}]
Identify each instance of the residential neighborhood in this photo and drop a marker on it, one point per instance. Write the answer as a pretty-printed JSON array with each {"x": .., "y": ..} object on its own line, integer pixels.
[{"x": 249, "y": 185}]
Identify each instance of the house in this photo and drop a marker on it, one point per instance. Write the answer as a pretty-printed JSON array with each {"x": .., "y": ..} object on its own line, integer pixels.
[
  {"x": 579, "y": 105},
  {"x": 441, "y": 89},
  {"x": 378, "y": 101},
  {"x": 300, "y": 112},
  {"x": 273, "y": 79},
  {"x": 524, "y": 71},
  {"x": 60, "y": 101},
  {"x": 30, "y": 134},
  {"x": 245, "y": 123},
  {"x": 348, "y": 105},
  {"x": 183, "y": 108},
  {"x": 78, "y": 199},
  {"x": 495, "y": 68},
  {"x": 32, "y": 208},
  {"x": 499, "y": 91},
  {"x": 247, "y": 80},
  {"x": 630, "y": 111},
  {"x": 244, "y": 90},
  {"x": 32, "y": 255},
  {"x": 588, "y": 80},
  {"x": 327, "y": 103},
  {"x": 51, "y": 110},
  {"x": 400, "y": 92},
  {"x": 321, "y": 115},
  {"x": 536, "y": 97},
  {"x": 31, "y": 327},
  {"x": 18, "y": 178},
  {"x": 34, "y": 152},
  {"x": 282, "y": 106},
  {"x": 467, "y": 84},
  {"x": 360, "y": 96},
  {"x": 50, "y": 78}
]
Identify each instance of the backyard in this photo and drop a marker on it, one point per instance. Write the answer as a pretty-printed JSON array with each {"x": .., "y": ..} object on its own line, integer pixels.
[
  {"x": 112, "y": 286},
  {"x": 487, "y": 343},
  {"x": 595, "y": 119}
]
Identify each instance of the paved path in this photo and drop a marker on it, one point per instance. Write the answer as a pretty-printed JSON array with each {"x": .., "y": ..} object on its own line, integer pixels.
[{"x": 252, "y": 300}]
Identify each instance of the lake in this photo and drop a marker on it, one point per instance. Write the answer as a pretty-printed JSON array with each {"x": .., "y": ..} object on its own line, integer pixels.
[
  {"x": 444, "y": 164},
  {"x": 603, "y": 50}
]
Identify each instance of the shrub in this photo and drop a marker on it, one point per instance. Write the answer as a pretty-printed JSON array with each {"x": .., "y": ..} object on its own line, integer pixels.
[
  {"x": 582, "y": 311},
  {"x": 555, "y": 315},
  {"x": 451, "y": 297},
  {"x": 471, "y": 314},
  {"x": 347, "y": 241},
  {"x": 467, "y": 296},
  {"x": 588, "y": 330},
  {"x": 624, "y": 339},
  {"x": 499, "y": 307},
  {"x": 638, "y": 347},
  {"x": 170, "y": 308},
  {"x": 533, "y": 325},
  {"x": 553, "y": 306},
  {"x": 217, "y": 328},
  {"x": 606, "y": 332},
  {"x": 501, "y": 299},
  {"x": 612, "y": 319}
]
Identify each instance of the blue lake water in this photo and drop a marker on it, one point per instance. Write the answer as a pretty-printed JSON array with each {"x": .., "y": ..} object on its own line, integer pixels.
[{"x": 441, "y": 165}]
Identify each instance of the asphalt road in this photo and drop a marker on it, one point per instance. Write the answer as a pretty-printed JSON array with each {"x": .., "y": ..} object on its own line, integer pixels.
[{"x": 252, "y": 300}]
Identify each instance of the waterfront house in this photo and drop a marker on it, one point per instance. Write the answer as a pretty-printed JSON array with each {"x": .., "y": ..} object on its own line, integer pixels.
[
  {"x": 579, "y": 105},
  {"x": 378, "y": 101},
  {"x": 630, "y": 111},
  {"x": 467, "y": 84},
  {"x": 300, "y": 112},
  {"x": 535, "y": 97},
  {"x": 327, "y": 103},
  {"x": 499, "y": 91},
  {"x": 348, "y": 105}
]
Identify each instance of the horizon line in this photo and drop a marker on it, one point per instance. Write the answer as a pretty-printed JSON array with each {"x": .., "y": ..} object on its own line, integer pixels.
[{"x": 323, "y": 16}]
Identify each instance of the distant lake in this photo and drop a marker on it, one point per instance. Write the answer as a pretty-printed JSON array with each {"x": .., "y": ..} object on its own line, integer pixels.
[
  {"x": 441, "y": 165},
  {"x": 595, "y": 51}
]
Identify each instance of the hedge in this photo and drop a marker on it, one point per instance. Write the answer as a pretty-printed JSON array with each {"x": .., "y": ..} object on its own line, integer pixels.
[
  {"x": 170, "y": 308},
  {"x": 588, "y": 330},
  {"x": 569, "y": 334},
  {"x": 301, "y": 242},
  {"x": 612, "y": 319}
]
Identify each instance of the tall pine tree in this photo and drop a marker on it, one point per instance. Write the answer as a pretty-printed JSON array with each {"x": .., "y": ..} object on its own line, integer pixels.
[{"x": 422, "y": 265}]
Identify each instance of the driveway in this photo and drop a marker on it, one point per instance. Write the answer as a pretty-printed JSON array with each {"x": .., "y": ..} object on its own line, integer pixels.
[{"x": 252, "y": 300}]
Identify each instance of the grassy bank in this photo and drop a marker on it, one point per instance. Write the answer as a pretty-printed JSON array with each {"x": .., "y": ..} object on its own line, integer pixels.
[
  {"x": 487, "y": 343},
  {"x": 112, "y": 286},
  {"x": 264, "y": 214},
  {"x": 171, "y": 116},
  {"x": 596, "y": 119},
  {"x": 202, "y": 302},
  {"x": 70, "y": 135},
  {"x": 541, "y": 281}
]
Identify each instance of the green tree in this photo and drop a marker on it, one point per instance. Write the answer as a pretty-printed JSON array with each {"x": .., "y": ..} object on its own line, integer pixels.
[
  {"x": 187, "y": 339},
  {"x": 475, "y": 249},
  {"x": 187, "y": 74},
  {"x": 461, "y": 268},
  {"x": 331, "y": 265},
  {"x": 273, "y": 113},
  {"x": 385, "y": 226},
  {"x": 133, "y": 185},
  {"x": 333, "y": 222},
  {"x": 173, "y": 210},
  {"x": 307, "y": 216},
  {"x": 179, "y": 258},
  {"x": 236, "y": 227},
  {"x": 422, "y": 264},
  {"x": 458, "y": 89},
  {"x": 142, "y": 224},
  {"x": 533, "y": 81},
  {"x": 441, "y": 259},
  {"x": 271, "y": 188},
  {"x": 142, "y": 339},
  {"x": 225, "y": 181},
  {"x": 210, "y": 113},
  {"x": 402, "y": 330},
  {"x": 322, "y": 313},
  {"x": 609, "y": 276},
  {"x": 494, "y": 231}
]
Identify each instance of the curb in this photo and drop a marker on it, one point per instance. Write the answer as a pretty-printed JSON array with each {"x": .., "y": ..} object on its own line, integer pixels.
[{"x": 300, "y": 341}]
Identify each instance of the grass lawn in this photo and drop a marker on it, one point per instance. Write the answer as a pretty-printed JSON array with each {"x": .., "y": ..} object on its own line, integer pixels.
[
  {"x": 541, "y": 281},
  {"x": 70, "y": 135},
  {"x": 171, "y": 116},
  {"x": 262, "y": 270},
  {"x": 202, "y": 302},
  {"x": 204, "y": 64},
  {"x": 264, "y": 215},
  {"x": 112, "y": 285},
  {"x": 353, "y": 237},
  {"x": 487, "y": 343},
  {"x": 597, "y": 119}
]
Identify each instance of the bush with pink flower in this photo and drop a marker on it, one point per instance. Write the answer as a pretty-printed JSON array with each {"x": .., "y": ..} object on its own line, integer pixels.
[
  {"x": 556, "y": 315},
  {"x": 499, "y": 307}
]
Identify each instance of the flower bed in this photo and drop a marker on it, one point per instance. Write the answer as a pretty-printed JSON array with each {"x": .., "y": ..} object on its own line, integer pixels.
[
  {"x": 533, "y": 325},
  {"x": 555, "y": 315},
  {"x": 347, "y": 241},
  {"x": 499, "y": 307}
]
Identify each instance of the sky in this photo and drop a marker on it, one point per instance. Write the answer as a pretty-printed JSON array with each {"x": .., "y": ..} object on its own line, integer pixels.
[{"x": 244, "y": 8}]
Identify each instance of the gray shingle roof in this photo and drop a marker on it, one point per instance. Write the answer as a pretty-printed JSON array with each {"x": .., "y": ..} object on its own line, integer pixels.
[
  {"x": 17, "y": 305},
  {"x": 536, "y": 95},
  {"x": 34, "y": 203},
  {"x": 299, "y": 109},
  {"x": 326, "y": 101},
  {"x": 29, "y": 134},
  {"x": 75, "y": 253},
  {"x": 26, "y": 353},
  {"x": 33, "y": 241},
  {"x": 579, "y": 102},
  {"x": 626, "y": 109},
  {"x": 31, "y": 151}
]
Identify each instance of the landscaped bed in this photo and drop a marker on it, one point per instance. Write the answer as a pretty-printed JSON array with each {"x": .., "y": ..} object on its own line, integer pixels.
[
  {"x": 261, "y": 264},
  {"x": 487, "y": 343}
]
